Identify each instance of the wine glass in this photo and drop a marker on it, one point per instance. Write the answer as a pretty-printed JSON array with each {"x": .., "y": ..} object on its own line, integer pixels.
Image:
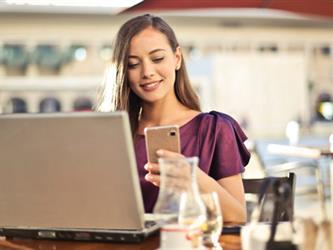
[{"x": 212, "y": 228}]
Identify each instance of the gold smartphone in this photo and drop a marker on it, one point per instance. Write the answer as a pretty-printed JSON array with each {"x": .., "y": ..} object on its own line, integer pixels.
[{"x": 161, "y": 137}]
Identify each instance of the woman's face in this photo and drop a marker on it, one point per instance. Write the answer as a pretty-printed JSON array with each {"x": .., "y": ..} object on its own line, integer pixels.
[{"x": 152, "y": 65}]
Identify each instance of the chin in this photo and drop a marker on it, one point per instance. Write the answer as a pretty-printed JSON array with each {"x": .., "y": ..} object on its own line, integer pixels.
[
  {"x": 156, "y": 96},
  {"x": 152, "y": 98}
]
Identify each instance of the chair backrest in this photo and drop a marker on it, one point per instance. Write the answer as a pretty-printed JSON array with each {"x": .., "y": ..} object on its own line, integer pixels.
[{"x": 253, "y": 186}]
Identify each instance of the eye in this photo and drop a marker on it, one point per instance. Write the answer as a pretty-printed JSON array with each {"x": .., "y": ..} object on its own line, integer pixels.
[
  {"x": 158, "y": 59},
  {"x": 132, "y": 65}
]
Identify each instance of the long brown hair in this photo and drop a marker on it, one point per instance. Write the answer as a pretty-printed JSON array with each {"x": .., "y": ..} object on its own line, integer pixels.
[{"x": 123, "y": 98}]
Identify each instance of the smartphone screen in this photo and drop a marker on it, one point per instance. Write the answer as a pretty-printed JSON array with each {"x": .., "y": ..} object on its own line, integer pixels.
[{"x": 161, "y": 137}]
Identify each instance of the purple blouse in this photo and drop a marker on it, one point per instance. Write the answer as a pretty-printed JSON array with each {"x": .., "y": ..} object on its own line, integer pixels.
[{"x": 214, "y": 137}]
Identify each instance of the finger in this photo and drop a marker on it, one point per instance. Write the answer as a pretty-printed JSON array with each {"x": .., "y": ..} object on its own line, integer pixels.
[
  {"x": 169, "y": 154},
  {"x": 153, "y": 178},
  {"x": 152, "y": 167},
  {"x": 156, "y": 184}
]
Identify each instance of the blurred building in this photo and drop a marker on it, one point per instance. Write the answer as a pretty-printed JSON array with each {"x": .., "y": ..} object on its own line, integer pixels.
[{"x": 264, "y": 65}]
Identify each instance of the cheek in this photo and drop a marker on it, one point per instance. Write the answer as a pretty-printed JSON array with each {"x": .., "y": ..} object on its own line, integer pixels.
[
  {"x": 170, "y": 73},
  {"x": 133, "y": 78}
]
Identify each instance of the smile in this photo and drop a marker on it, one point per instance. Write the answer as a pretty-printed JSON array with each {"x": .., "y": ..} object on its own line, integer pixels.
[{"x": 151, "y": 85}]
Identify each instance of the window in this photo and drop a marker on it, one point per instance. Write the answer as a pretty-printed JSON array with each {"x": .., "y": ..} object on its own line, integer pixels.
[
  {"x": 49, "y": 105},
  {"x": 82, "y": 104},
  {"x": 16, "y": 105}
]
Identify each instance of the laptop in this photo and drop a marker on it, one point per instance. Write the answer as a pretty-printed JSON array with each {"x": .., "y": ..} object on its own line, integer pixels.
[{"x": 70, "y": 176}]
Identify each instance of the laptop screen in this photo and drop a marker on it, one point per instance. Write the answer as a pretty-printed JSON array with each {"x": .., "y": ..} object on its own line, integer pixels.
[{"x": 69, "y": 170}]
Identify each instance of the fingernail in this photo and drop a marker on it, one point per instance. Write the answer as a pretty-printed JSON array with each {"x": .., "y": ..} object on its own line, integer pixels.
[
  {"x": 145, "y": 167},
  {"x": 149, "y": 177}
]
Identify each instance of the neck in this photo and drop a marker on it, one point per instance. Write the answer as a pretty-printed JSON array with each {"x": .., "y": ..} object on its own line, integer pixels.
[{"x": 162, "y": 112}]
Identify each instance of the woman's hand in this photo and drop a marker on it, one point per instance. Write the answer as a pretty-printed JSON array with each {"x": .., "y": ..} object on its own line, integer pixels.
[
  {"x": 153, "y": 169},
  {"x": 153, "y": 174}
]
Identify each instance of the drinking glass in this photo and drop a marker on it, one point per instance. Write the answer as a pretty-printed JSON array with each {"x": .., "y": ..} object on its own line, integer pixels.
[
  {"x": 212, "y": 228},
  {"x": 176, "y": 179}
]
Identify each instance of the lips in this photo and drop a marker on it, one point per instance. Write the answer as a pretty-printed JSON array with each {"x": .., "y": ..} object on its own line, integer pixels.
[{"x": 151, "y": 86}]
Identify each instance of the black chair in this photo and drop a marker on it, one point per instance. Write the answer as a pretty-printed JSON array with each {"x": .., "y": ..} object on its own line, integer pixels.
[{"x": 254, "y": 186}]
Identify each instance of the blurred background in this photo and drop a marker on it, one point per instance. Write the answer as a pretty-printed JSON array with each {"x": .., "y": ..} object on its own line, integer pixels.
[{"x": 267, "y": 63}]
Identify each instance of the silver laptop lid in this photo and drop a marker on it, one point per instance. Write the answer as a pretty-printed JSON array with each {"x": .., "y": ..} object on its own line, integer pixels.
[{"x": 69, "y": 170}]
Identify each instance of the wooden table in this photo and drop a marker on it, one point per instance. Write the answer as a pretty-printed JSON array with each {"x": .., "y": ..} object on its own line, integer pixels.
[{"x": 228, "y": 242}]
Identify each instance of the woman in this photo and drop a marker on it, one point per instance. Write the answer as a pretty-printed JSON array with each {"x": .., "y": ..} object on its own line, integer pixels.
[{"x": 153, "y": 87}]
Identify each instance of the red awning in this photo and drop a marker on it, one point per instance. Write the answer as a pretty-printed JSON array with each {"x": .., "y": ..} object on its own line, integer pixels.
[{"x": 308, "y": 7}]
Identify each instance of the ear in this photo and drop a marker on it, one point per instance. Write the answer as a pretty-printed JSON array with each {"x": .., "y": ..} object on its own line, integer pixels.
[{"x": 178, "y": 57}]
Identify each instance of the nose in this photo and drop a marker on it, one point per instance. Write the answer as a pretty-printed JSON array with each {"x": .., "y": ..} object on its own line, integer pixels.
[{"x": 147, "y": 70}]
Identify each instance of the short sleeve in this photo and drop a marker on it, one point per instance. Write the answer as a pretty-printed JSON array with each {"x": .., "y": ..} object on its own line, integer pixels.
[{"x": 223, "y": 140}]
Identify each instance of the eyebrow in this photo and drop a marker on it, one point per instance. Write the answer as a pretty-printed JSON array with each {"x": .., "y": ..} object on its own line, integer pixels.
[{"x": 151, "y": 52}]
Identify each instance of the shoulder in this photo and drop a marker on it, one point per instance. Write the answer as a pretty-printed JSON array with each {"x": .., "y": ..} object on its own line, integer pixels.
[
  {"x": 220, "y": 123},
  {"x": 218, "y": 117}
]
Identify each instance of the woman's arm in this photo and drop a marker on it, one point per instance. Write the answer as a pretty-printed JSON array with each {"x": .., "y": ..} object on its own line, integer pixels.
[
  {"x": 231, "y": 195},
  {"x": 229, "y": 189}
]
